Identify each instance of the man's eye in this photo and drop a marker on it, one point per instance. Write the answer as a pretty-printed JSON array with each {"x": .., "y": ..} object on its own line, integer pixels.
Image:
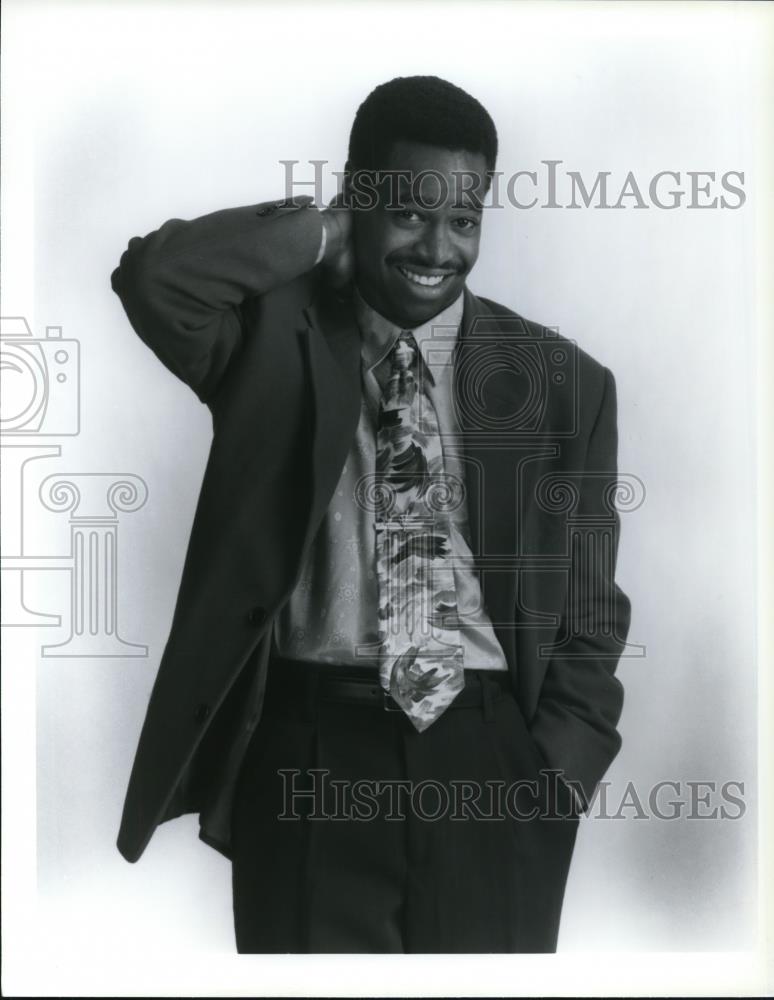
[
  {"x": 407, "y": 213},
  {"x": 466, "y": 223}
]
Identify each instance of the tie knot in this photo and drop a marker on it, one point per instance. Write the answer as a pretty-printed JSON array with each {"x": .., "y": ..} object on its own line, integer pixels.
[{"x": 404, "y": 351}]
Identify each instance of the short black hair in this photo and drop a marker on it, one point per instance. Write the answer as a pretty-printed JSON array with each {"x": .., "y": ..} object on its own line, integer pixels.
[{"x": 419, "y": 109}]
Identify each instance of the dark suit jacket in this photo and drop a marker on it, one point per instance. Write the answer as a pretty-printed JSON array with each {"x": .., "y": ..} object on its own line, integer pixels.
[{"x": 232, "y": 304}]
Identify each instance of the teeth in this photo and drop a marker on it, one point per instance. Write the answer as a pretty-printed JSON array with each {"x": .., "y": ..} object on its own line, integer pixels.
[{"x": 421, "y": 279}]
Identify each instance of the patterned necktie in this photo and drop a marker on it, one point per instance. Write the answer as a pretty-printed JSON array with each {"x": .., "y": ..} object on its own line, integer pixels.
[{"x": 421, "y": 654}]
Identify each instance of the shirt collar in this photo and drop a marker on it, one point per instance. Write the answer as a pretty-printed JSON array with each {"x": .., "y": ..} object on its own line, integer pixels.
[{"x": 379, "y": 334}]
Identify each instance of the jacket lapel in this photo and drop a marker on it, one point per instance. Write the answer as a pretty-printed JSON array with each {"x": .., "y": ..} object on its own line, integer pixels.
[
  {"x": 501, "y": 401},
  {"x": 330, "y": 339},
  {"x": 489, "y": 459}
]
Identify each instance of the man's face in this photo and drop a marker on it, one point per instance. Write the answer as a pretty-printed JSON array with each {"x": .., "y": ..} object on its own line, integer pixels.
[{"x": 415, "y": 249}]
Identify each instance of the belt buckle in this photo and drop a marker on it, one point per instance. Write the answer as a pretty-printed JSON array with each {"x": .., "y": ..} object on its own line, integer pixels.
[{"x": 388, "y": 702}]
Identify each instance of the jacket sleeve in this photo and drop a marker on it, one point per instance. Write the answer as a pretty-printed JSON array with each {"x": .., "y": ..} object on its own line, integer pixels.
[
  {"x": 581, "y": 699},
  {"x": 183, "y": 285}
]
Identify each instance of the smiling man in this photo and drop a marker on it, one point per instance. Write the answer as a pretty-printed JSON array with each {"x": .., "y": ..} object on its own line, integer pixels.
[
  {"x": 388, "y": 689},
  {"x": 419, "y": 241}
]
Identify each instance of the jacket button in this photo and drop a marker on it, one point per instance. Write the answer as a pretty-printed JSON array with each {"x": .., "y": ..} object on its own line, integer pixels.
[
  {"x": 257, "y": 616},
  {"x": 202, "y": 712}
]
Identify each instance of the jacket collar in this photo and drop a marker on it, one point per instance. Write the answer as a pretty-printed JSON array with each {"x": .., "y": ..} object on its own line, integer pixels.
[{"x": 333, "y": 314}]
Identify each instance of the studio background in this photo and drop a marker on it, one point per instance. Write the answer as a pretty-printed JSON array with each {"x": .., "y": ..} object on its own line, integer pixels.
[{"x": 139, "y": 113}]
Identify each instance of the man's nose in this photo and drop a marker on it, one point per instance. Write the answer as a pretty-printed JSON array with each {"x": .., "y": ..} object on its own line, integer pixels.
[{"x": 436, "y": 246}]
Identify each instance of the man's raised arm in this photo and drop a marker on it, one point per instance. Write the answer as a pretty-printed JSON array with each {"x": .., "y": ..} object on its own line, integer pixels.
[{"x": 183, "y": 285}]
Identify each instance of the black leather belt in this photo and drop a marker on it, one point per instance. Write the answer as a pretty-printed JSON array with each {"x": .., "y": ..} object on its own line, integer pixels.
[{"x": 324, "y": 682}]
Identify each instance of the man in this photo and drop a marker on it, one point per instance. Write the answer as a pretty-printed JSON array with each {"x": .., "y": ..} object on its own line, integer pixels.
[{"x": 389, "y": 688}]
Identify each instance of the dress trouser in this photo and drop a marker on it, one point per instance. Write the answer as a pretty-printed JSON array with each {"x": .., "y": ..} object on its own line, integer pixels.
[{"x": 352, "y": 832}]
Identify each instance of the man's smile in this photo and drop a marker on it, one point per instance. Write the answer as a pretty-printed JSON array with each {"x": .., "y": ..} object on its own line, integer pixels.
[{"x": 432, "y": 279}]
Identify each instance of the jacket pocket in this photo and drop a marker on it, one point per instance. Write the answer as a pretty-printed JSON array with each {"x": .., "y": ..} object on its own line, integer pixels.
[
  {"x": 517, "y": 752},
  {"x": 533, "y": 788}
]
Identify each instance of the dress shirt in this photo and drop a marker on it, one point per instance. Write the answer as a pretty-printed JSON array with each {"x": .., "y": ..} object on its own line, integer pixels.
[{"x": 331, "y": 615}]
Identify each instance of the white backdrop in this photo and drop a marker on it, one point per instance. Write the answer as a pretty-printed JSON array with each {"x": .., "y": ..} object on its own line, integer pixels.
[{"x": 127, "y": 115}]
